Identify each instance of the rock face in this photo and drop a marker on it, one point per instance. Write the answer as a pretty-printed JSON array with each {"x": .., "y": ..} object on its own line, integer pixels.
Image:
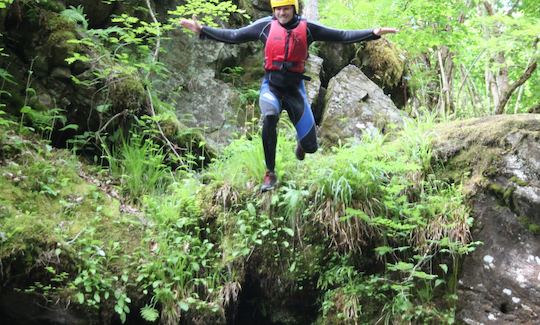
[
  {"x": 313, "y": 70},
  {"x": 500, "y": 280},
  {"x": 353, "y": 105},
  {"x": 201, "y": 100}
]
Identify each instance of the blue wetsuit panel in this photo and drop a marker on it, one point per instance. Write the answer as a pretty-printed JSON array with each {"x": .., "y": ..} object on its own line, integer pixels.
[
  {"x": 268, "y": 101},
  {"x": 307, "y": 121}
]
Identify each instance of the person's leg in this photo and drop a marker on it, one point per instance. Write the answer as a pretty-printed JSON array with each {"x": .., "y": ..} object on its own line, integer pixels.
[
  {"x": 270, "y": 108},
  {"x": 301, "y": 115},
  {"x": 269, "y": 140}
]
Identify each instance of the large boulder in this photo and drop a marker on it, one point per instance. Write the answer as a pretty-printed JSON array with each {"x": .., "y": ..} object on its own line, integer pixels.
[
  {"x": 353, "y": 105},
  {"x": 336, "y": 56},
  {"x": 498, "y": 159},
  {"x": 201, "y": 100}
]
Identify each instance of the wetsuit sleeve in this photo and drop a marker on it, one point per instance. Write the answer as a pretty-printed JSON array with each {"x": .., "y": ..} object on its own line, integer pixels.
[
  {"x": 248, "y": 33},
  {"x": 325, "y": 34}
]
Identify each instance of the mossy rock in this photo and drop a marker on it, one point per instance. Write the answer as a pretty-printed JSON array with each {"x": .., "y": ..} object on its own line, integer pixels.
[
  {"x": 49, "y": 214},
  {"x": 382, "y": 62},
  {"x": 61, "y": 31},
  {"x": 472, "y": 150},
  {"x": 126, "y": 92},
  {"x": 255, "y": 8}
]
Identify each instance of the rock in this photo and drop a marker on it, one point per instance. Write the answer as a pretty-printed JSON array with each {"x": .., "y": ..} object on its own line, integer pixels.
[
  {"x": 201, "y": 100},
  {"x": 61, "y": 73},
  {"x": 383, "y": 63},
  {"x": 18, "y": 308},
  {"x": 97, "y": 12},
  {"x": 354, "y": 105},
  {"x": 500, "y": 280},
  {"x": 336, "y": 56},
  {"x": 313, "y": 70},
  {"x": 256, "y": 8}
]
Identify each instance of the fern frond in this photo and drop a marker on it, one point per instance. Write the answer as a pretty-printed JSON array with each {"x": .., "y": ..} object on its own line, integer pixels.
[{"x": 76, "y": 14}]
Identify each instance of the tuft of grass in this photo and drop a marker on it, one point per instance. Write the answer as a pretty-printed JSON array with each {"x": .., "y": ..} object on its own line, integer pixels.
[{"x": 139, "y": 164}]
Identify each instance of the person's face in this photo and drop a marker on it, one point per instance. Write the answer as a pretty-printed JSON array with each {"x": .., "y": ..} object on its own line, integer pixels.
[{"x": 284, "y": 14}]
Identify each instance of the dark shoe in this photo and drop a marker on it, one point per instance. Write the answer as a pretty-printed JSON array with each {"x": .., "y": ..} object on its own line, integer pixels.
[
  {"x": 300, "y": 154},
  {"x": 269, "y": 181}
]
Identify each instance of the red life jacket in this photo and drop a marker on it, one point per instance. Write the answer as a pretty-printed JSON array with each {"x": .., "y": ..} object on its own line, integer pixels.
[{"x": 286, "y": 49}]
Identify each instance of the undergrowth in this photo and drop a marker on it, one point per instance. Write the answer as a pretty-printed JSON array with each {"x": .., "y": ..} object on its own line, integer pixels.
[{"x": 369, "y": 227}]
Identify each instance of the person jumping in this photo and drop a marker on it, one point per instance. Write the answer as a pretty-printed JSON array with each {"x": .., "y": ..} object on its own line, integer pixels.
[{"x": 286, "y": 37}]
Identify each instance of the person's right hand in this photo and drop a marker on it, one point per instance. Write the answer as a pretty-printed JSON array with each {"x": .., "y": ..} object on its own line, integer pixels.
[{"x": 191, "y": 24}]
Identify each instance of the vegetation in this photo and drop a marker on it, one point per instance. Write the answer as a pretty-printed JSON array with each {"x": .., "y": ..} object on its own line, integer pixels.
[
  {"x": 464, "y": 58},
  {"x": 368, "y": 233}
]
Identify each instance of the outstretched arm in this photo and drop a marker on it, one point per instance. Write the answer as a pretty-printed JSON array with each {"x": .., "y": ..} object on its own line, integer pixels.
[
  {"x": 252, "y": 32},
  {"x": 326, "y": 34}
]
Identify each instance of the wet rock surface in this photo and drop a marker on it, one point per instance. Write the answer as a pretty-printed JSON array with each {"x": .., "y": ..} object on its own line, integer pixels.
[{"x": 500, "y": 280}]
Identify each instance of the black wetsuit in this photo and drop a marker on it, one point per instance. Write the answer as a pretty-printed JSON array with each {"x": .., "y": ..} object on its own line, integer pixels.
[{"x": 274, "y": 97}]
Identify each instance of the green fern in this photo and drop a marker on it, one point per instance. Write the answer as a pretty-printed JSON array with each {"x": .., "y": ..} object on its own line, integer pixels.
[
  {"x": 149, "y": 313},
  {"x": 77, "y": 15}
]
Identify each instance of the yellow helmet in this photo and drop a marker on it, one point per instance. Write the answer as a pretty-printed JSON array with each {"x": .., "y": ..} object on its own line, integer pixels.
[{"x": 280, "y": 3}]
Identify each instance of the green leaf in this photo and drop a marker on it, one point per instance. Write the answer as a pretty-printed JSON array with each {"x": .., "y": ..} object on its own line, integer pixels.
[
  {"x": 80, "y": 297},
  {"x": 149, "y": 313},
  {"x": 70, "y": 127},
  {"x": 26, "y": 109},
  {"x": 444, "y": 267},
  {"x": 184, "y": 306},
  {"x": 401, "y": 266},
  {"x": 251, "y": 209},
  {"x": 103, "y": 108},
  {"x": 382, "y": 250},
  {"x": 423, "y": 275},
  {"x": 289, "y": 231}
]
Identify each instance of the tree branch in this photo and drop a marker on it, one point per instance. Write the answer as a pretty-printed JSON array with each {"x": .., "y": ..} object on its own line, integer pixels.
[
  {"x": 148, "y": 93},
  {"x": 506, "y": 95}
]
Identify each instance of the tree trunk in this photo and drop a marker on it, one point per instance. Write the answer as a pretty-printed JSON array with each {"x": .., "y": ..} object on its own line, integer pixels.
[{"x": 311, "y": 10}]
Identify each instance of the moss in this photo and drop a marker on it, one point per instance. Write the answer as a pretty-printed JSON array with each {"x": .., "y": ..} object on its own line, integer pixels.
[
  {"x": 518, "y": 181},
  {"x": 475, "y": 147},
  {"x": 502, "y": 192},
  {"x": 60, "y": 30},
  {"x": 126, "y": 92},
  {"x": 44, "y": 203},
  {"x": 534, "y": 228},
  {"x": 383, "y": 61},
  {"x": 169, "y": 124},
  {"x": 60, "y": 38},
  {"x": 55, "y": 22},
  {"x": 528, "y": 224}
]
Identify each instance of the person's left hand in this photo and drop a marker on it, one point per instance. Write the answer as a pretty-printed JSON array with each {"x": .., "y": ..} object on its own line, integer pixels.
[
  {"x": 192, "y": 24},
  {"x": 384, "y": 30}
]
